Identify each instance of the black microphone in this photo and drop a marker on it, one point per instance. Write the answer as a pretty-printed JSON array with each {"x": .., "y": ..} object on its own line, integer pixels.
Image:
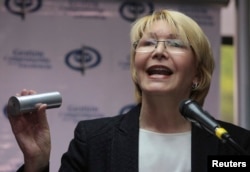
[{"x": 191, "y": 110}]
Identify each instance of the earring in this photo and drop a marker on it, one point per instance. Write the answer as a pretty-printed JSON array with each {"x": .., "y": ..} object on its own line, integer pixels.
[{"x": 195, "y": 86}]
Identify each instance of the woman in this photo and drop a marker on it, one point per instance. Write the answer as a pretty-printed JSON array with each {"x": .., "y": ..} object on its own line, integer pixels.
[{"x": 171, "y": 60}]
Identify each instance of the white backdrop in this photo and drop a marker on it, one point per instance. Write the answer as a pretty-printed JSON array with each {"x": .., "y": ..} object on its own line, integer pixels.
[{"x": 80, "y": 49}]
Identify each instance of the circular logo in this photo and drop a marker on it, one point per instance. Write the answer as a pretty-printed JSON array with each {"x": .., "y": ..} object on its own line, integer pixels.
[
  {"x": 19, "y": 7},
  {"x": 131, "y": 10},
  {"x": 82, "y": 59}
]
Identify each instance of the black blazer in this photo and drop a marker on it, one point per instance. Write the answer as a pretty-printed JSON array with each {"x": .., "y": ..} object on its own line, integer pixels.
[{"x": 111, "y": 145}]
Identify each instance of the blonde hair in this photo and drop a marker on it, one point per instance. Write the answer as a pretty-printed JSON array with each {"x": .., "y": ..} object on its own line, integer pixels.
[{"x": 190, "y": 32}]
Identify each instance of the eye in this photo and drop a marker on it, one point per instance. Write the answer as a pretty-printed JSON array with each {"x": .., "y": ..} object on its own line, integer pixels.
[
  {"x": 147, "y": 42},
  {"x": 175, "y": 43}
]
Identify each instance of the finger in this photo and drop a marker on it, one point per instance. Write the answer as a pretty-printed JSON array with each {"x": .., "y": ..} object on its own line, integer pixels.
[
  {"x": 27, "y": 92},
  {"x": 24, "y": 92},
  {"x": 42, "y": 116},
  {"x": 32, "y": 92}
]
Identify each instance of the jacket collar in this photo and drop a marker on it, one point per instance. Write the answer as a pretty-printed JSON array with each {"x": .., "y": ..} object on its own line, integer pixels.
[{"x": 125, "y": 143}]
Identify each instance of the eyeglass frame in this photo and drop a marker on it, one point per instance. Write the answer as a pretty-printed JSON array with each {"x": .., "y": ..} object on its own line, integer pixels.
[{"x": 135, "y": 44}]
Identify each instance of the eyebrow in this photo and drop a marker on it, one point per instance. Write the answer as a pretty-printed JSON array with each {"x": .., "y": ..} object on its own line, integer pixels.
[{"x": 155, "y": 35}]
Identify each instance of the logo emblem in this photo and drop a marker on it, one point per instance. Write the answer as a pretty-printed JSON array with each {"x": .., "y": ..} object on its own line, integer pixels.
[
  {"x": 82, "y": 59},
  {"x": 22, "y": 7},
  {"x": 131, "y": 10}
]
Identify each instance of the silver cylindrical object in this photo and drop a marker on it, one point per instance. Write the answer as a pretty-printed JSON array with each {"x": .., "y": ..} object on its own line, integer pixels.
[{"x": 22, "y": 104}]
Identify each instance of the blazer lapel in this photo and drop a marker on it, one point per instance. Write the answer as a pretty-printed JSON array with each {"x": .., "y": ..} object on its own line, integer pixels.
[{"x": 124, "y": 153}]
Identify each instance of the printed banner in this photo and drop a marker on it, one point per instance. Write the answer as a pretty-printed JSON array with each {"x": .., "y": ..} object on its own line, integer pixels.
[{"x": 81, "y": 49}]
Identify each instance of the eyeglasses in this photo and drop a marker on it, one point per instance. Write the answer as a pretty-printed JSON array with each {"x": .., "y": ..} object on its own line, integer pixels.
[{"x": 148, "y": 45}]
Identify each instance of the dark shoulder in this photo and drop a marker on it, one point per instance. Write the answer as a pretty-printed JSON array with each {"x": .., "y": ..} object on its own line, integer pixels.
[
  {"x": 108, "y": 125},
  {"x": 230, "y": 127},
  {"x": 99, "y": 125},
  {"x": 239, "y": 134},
  {"x": 236, "y": 132}
]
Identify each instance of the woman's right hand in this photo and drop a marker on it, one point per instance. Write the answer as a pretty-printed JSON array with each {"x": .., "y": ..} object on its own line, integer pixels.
[{"x": 32, "y": 133}]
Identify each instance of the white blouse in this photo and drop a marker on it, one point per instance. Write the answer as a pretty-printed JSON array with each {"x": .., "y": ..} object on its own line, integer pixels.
[{"x": 160, "y": 152}]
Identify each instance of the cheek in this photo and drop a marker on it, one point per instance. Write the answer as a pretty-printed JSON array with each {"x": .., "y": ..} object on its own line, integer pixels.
[
  {"x": 139, "y": 67},
  {"x": 187, "y": 61},
  {"x": 186, "y": 64},
  {"x": 188, "y": 67},
  {"x": 140, "y": 62}
]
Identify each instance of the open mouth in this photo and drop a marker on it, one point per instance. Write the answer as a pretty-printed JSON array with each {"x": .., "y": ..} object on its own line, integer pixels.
[{"x": 159, "y": 70}]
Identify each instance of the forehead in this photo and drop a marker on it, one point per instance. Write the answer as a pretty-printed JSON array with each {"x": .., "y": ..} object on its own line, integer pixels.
[{"x": 160, "y": 28}]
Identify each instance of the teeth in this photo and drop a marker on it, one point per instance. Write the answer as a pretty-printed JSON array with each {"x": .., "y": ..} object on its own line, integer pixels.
[{"x": 160, "y": 70}]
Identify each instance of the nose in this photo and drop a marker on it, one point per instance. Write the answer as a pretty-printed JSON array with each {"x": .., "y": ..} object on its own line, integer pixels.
[
  {"x": 159, "y": 50},
  {"x": 160, "y": 46}
]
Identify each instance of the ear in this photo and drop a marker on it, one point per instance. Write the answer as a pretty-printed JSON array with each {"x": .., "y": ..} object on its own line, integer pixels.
[{"x": 196, "y": 80}]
